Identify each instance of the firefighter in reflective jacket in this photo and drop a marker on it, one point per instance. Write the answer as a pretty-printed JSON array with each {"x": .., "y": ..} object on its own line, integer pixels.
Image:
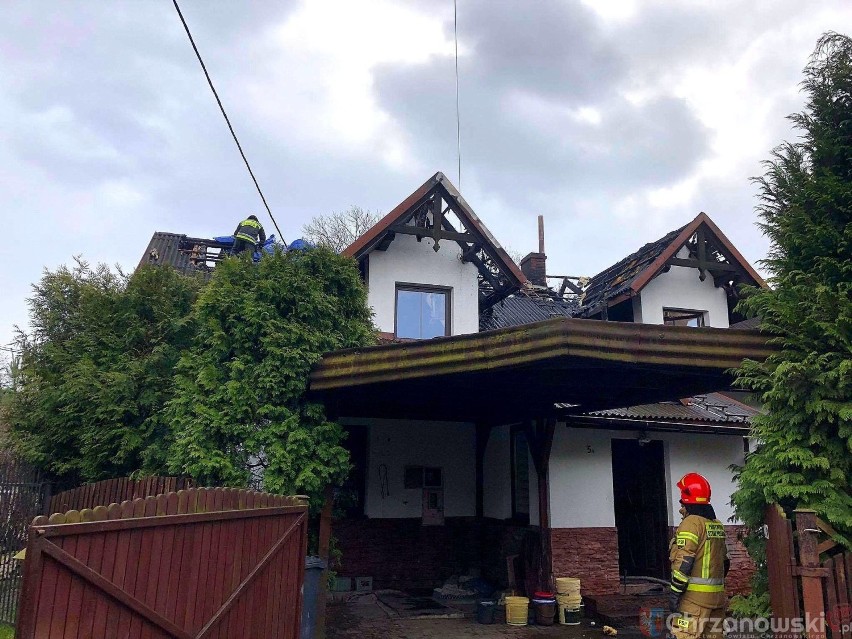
[
  {"x": 699, "y": 562},
  {"x": 249, "y": 235}
]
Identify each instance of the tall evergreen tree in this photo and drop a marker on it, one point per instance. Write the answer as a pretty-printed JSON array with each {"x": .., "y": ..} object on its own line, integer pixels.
[
  {"x": 96, "y": 370},
  {"x": 804, "y": 455},
  {"x": 240, "y": 413}
]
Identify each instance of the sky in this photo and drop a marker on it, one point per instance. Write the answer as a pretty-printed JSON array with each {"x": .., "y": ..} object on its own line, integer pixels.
[{"x": 618, "y": 120}]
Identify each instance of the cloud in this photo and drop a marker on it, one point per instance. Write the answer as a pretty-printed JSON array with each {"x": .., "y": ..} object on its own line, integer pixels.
[{"x": 618, "y": 121}]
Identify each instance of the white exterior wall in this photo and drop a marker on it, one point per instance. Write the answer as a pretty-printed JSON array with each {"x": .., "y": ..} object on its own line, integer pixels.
[
  {"x": 581, "y": 493},
  {"x": 709, "y": 455},
  {"x": 681, "y": 288},
  {"x": 580, "y": 480},
  {"x": 395, "y": 444},
  {"x": 413, "y": 262}
]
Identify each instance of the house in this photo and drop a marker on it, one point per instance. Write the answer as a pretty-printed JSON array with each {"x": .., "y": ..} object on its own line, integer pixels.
[{"x": 521, "y": 431}]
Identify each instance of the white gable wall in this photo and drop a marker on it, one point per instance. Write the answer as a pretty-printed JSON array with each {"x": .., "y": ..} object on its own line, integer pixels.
[
  {"x": 681, "y": 288},
  {"x": 411, "y": 262}
]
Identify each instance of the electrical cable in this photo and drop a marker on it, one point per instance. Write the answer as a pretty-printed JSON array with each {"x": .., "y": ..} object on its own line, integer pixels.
[
  {"x": 227, "y": 120},
  {"x": 458, "y": 114}
]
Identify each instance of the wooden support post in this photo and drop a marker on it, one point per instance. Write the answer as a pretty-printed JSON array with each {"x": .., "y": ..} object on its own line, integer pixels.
[
  {"x": 482, "y": 433},
  {"x": 324, "y": 552},
  {"x": 809, "y": 570},
  {"x": 546, "y": 429}
]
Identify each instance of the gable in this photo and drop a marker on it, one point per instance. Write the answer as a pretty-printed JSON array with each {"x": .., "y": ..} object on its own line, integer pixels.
[
  {"x": 437, "y": 211},
  {"x": 707, "y": 250}
]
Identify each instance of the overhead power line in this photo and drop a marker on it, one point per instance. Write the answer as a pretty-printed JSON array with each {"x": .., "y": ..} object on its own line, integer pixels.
[
  {"x": 227, "y": 120},
  {"x": 458, "y": 113}
]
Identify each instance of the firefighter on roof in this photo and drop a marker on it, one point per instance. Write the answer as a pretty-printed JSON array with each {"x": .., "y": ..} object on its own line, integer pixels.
[
  {"x": 249, "y": 235},
  {"x": 699, "y": 562}
]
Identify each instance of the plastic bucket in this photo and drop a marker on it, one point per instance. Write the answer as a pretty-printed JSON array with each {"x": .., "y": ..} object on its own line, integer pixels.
[
  {"x": 517, "y": 611},
  {"x": 485, "y": 611},
  {"x": 569, "y": 616},
  {"x": 545, "y": 611},
  {"x": 567, "y": 585}
]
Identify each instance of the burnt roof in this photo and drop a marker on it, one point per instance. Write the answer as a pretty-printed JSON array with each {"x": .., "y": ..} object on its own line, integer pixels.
[
  {"x": 632, "y": 274},
  {"x": 525, "y": 308},
  {"x": 616, "y": 279},
  {"x": 188, "y": 255}
]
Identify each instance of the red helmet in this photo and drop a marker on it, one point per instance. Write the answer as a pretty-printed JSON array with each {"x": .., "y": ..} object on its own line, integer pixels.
[{"x": 694, "y": 489}]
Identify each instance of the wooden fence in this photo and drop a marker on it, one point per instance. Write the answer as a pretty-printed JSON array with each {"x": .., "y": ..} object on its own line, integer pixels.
[
  {"x": 115, "y": 491},
  {"x": 196, "y": 563},
  {"x": 810, "y": 575}
]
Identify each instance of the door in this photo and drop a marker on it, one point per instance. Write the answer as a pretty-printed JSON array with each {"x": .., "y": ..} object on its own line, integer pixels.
[{"x": 641, "y": 508}]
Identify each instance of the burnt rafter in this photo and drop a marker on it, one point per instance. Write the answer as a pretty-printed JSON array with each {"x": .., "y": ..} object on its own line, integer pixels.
[{"x": 708, "y": 257}]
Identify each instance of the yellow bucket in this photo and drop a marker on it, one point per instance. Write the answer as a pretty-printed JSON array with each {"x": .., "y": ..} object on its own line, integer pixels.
[
  {"x": 517, "y": 611},
  {"x": 567, "y": 585}
]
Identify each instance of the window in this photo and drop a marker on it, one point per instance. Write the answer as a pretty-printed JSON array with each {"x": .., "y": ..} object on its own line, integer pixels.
[
  {"x": 422, "y": 312},
  {"x": 520, "y": 475},
  {"x": 683, "y": 317},
  {"x": 422, "y": 477}
]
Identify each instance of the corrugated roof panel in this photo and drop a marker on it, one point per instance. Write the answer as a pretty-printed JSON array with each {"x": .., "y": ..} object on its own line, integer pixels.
[
  {"x": 712, "y": 407},
  {"x": 520, "y": 309}
]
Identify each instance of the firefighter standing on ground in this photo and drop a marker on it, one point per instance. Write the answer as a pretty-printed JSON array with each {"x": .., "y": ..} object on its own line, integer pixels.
[
  {"x": 249, "y": 235},
  {"x": 699, "y": 562}
]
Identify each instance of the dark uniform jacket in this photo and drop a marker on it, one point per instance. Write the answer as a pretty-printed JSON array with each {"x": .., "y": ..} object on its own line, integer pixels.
[{"x": 250, "y": 231}]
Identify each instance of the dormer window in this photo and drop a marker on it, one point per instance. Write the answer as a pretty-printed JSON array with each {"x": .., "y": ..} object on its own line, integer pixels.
[
  {"x": 683, "y": 317},
  {"x": 422, "y": 312}
]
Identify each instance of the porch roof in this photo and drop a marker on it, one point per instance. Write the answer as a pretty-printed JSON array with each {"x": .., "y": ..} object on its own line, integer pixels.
[{"x": 533, "y": 370}]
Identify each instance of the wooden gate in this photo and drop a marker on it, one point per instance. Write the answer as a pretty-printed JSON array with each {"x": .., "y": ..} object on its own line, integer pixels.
[
  {"x": 197, "y": 563},
  {"x": 810, "y": 575}
]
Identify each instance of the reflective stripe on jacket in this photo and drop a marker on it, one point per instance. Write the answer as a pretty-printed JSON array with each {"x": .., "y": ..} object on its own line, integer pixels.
[
  {"x": 250, "y": 231},
  {"x": 698, "y": 555}
]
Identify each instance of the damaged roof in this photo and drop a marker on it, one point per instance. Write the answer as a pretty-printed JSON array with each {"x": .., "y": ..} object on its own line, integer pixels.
[
  {"x": 711, "y": 407},
  {"x": 188, "y": 255},
  {"x": 709, "y": 248},
  {"x": 526, "y": 307},
  {"x": 615, "y": 280}
]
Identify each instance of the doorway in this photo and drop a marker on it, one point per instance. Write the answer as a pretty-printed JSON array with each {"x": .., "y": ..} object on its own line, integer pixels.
[{"x": 641, "y": 509}]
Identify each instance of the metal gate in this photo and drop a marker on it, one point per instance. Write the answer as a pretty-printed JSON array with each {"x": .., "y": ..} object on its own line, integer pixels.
[
  {"x": 23, "y": 494},
  {"x": 196, "y": 563}
]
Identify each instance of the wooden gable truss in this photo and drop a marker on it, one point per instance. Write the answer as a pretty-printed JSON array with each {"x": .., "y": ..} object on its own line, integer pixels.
[{"x": 438, "y": 211}]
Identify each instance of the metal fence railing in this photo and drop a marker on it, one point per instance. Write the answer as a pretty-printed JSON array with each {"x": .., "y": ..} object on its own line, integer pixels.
[{"x": 23, "y": 495}]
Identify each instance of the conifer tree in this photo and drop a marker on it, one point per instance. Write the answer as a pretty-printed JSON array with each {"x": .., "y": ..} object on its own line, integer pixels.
[
  {"x": 240, "y": 413},
  {"x": 804, "y": 452}
]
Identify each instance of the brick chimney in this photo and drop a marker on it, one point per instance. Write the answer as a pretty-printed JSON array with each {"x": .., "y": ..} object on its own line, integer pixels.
[
  {"x": 533, "y": 267},
  {"x": 533, "y": 264}
]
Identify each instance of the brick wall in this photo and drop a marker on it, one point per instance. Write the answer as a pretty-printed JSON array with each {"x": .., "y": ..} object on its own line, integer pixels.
[
  {"x": 405, "y": 555},
  {"x": 738, "y": 581},
  {"x": 588, "y": 553}
]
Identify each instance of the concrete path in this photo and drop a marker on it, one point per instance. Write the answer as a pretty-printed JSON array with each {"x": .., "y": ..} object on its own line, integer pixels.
[{"x": 365, "y": 617}]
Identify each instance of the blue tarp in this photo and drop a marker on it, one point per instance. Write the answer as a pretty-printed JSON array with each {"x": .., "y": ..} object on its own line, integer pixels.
[{"x": 270, "y": 245}]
